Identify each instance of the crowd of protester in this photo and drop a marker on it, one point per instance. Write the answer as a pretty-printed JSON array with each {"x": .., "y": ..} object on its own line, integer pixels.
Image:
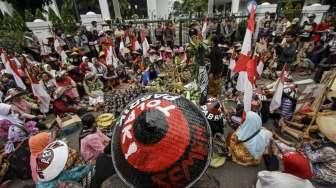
[{"x": 72, "y": 73}]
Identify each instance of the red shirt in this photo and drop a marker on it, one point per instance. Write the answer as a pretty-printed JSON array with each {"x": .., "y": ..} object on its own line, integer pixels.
[{"x": 84, "y": 67}]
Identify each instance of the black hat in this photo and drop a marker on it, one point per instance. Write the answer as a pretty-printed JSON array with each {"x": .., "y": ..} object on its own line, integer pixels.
[{"x": 160, "y": 135}]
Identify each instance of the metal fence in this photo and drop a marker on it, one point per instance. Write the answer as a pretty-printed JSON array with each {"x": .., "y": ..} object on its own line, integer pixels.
[{"x": 182, "y": 25}]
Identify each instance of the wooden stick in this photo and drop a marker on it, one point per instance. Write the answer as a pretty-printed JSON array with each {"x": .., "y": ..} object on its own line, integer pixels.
[
  {"x": 292, "y": 132},
  {"x": 287, "y": 142}
]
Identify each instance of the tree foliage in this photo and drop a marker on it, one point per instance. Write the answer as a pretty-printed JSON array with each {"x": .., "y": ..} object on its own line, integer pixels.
[
  {"x": 177, "y": 7},
  {"x": 38, "y": 14},
  {"x": 197, "y": 6},
  {"x": 22, "y": 5},
  {"x": 68, "y": 20},
  {"x": 28, "y": 16},
  {"x": 12, "y": 30},
  {"x": 53, "y": 18}
]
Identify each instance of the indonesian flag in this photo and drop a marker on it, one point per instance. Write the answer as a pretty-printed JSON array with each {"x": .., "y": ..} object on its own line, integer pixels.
[
  {"x": 121, "y": 48},
  {"x": 11, "y": 68},
  {"x": 39, "y": 90},
  {"x": 277, "y": 97},
  {"x": 109, "y": 56},
  {"x": 135, "y": 44},
  {"x": 204, "y": 28},
  {"x": 260, "y": 66},
  {"x": 145, "y": 45},
  {"x": 246, "y": 66}
]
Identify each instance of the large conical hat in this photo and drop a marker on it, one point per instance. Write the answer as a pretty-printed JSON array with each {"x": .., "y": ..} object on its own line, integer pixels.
[
  {"x": 161, "y": 140},
  {"x": 51, "y": 162},
  {"x": 327, "y": 126}
]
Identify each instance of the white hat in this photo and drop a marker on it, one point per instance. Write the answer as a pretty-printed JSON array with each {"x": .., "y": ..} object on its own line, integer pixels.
[
  {"x": 51, "y": 162},
  {"x": 84, "y": 58}
]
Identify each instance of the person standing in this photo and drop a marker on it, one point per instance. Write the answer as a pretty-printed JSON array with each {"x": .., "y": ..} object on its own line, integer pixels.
[
  {"x": 286, "y": 51},
  {"x": 159, "y": 34},
  {"x": 169, "y": 34}
]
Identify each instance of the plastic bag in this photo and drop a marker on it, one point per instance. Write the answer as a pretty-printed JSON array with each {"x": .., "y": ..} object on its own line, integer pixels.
[{"x": 268, "y": 179}]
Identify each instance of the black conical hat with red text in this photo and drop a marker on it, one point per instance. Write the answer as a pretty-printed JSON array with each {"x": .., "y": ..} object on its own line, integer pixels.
[{"x": 161, "y": 140}]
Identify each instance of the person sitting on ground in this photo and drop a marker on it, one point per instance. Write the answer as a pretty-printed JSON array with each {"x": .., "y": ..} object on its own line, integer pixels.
[
  {"x": 150, "y": 75},
  {"x": 104, "y": 167},
  {"x": 98, "y": 68},
  {"x": 59, "y": 163},
  {"x": 93, "y": 87},
  {"x": 49, "y": 83},
  {"x": 94, "y": 142},
  {"x": 63, "y": 103},
  {"x": 36, "y": 145},
  {"x": 63, "y": 80},
  {"x": 248, "y": 143}
]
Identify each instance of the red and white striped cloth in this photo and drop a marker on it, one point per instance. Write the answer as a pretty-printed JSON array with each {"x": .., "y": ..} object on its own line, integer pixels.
[
  {"x": 245, "y": 65},
  {"x": 145, "y": 44},
  {"x": 11, "y": 68},
  {"x": 39, "y": 91},
  {"x": 204, "y": 28}
]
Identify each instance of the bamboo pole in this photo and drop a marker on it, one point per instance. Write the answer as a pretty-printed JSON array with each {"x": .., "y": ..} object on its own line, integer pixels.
[{"x": 319, "y": 104}]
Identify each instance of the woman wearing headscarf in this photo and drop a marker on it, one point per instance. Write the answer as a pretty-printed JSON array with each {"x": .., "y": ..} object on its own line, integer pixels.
[
  {"x": 49, "y": 83},
  {"x": 15, "y": 98},
  {"x": 13, "y": 127},
  {"x": 62, "y": 80},
  {"x": 93, "y": 87},
  {"x": 47, "y": 68},
  {"x": 36, "y": 145},
  {"x": 248, "y": 143}
]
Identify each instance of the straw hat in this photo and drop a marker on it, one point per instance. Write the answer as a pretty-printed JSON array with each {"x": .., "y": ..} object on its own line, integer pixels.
[
  {"x": 74, "y": 54},
  {"x": 101, "y": 54},
  {"x": 160, "y": 134},
  {"x": 51, "y": 162},
  {"x": 105, "y": 121},
  {"x": 11, "y": 93}
]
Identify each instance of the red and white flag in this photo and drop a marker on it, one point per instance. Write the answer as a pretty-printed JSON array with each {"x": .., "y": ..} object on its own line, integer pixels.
[
  {"x": 11, "y": 68},
  {"x": 42, "y": 95},
  {"x": 204, "y": 28},
  {"x": 39, "y": 91},
  {"x": 145, "y": 47},
  {"x": 122, "y": 48},
  {"x": 109, "y": 56},
  {"x": 279, "y": 87},
  {"x": 135, "y": 44},
  {"x": 260, "y": 67},
  {"x": 245, "y": 65}
]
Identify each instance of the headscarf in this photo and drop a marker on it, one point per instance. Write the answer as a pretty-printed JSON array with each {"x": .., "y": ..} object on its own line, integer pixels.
[
  {"x": 5, "y": 114},
  {"x": 36, "y": 145},
  {"x": 51, "y": 72},
  {"x": 256, "y": 145}
]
